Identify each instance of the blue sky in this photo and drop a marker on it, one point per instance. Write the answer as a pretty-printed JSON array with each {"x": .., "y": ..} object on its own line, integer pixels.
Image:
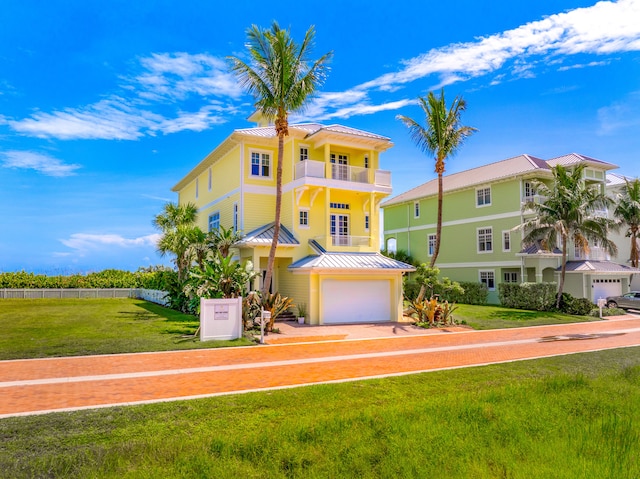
[{"x": 105, "y": 106}]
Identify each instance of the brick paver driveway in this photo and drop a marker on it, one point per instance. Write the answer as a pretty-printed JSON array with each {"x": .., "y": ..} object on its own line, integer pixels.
[{"x": 44, "y": 385}]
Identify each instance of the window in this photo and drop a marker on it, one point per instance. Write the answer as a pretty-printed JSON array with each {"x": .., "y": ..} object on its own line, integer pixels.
[
  {"x": 260, "y": 164},
  {"x": 416, "y": 209},
  {"x": 214, "y": 221},
  {"x": 488, "y": 278},
  {"x": 197, "y": 187},
  {"x": 431, "y": 241},
  {"x": 339, "y": 167},
  {"x": 529, "y": 191},
  {"x": 510, "y": 277},
  {"x": 304, "y": 153},
  {"x": 366, "y": 221},
  {"x": 340, "y": 230},
  {"x": 366, "y": 161},
  {"x": 485, "y": 240},
  {"x": 235, "y": 217},
  {"x": 303, "y": 216},
  {"x": 392, "y": 245},
  {"x": 339, "y": 206},
  {"x": 209, "y": 180},
  {"x": 506, "y": 241},
  {"x": 483, "y": 196}
]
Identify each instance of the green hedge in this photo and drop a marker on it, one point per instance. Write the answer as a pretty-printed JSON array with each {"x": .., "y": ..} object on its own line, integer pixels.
[
  {"x": 534, "y": 296},
  {"x": 474, "y": 293},
  {"x": 152, "y": 278}
]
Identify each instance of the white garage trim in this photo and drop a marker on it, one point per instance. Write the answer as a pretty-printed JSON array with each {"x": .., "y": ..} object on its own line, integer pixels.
[
  {"x": 355, "y": 301},
  {"x": 601, "y": 288}
]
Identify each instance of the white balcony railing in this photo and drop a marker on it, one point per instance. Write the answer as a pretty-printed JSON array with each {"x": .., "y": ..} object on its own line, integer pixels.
[
  {"x": 343, "y": 240},
  {"x": 334, "y": 171}
]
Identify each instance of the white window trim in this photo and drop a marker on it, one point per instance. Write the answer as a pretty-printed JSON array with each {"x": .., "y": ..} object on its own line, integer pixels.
[
  {"x": 367, "y": 161},
  {"x": 429, "y": 236},
  {"x": 509, "y": 273},
  {"x": 490, "y": 196},
  {"x": 303, "y": 227},
  {"x": 416, "y": 209},
  {"x": 308, "y": 148},
  {"x": 367, "y": 221},
  {"x": 197, "y": 187},
  {"x": 236, "y": 217},
  {"x": 261, "y": 152},
  {"x": 493, "y": 272},
  {"x": 209, "y": 219},
  {"x": 506, "y": 250},
  {"x": 478, "y": 239},
  {"x": 210, "y": 180}
]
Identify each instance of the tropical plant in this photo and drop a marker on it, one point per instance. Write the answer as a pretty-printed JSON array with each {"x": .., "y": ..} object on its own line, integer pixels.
[
  {"x": 400, "y": 255},
  {"x": 572, "y": 211},
  {"x": 222, "y": 277},
  {"x": 282, "y": 78},
  {"x": 428, "y": 278},
  {"x": 302, "y": 310},
  {"x": 276, "y": 304},
  {"x": 442, "y": 136},
  {"x": 251, "y": 309},
  {"x": 179, "y": 233},
  {"x": 223, "y": 239},
  {"x": 627, "y": 214}
]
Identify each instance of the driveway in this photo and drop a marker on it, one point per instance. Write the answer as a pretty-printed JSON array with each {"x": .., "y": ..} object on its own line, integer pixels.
[{"x": 40, "y": 386}]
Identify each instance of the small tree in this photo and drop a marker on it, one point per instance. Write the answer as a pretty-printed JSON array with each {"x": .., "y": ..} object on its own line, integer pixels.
[{"x": 627, "y": 214}]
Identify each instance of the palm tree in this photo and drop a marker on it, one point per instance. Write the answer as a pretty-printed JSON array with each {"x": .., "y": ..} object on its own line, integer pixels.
[
  {"x": 282, "y": 79},
  {"x": 179, "y": 233},
  {"x": 627, "y": 214},
  {"x": 442, "y": 136},
  {"x": 572, "y": 211},
  {"x": 223, "y": 239}
]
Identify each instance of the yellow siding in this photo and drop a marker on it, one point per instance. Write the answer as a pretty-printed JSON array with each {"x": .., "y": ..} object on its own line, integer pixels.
[{"x": 258, "y": 210}]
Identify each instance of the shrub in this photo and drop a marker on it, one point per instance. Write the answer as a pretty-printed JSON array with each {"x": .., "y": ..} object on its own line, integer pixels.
[
  {"x": 606, "y": 312},
  {"x": 575, "y": 306},
  {"x": 534, "y": 296},
  {"x": 474, "y": 293}
]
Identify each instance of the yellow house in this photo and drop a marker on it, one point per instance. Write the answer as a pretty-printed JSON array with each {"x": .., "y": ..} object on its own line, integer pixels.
[{"x": 328, "y": 248}]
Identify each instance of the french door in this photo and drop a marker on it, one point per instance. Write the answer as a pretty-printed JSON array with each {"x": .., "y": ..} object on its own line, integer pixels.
[
  {"x": 339, "y": 167},
  {"x": 340, "y": 230}
]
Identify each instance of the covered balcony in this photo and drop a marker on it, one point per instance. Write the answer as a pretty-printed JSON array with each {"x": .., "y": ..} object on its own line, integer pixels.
[
  {"x": 355, "y": 242},
  {"x": 347, "y": 173}
]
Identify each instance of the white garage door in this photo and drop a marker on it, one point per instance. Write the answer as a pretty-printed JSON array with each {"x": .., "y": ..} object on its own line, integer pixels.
[
  {"x": 358, "y": 301},
  {"x": 606, "y": 287}
]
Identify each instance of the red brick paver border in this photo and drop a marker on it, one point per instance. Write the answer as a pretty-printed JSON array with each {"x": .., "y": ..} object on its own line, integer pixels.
[{"x": 46, "y": 385}]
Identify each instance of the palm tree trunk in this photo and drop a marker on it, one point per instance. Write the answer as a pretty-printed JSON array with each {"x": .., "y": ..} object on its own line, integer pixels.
[
  {"x": 276, "y": 228},
  {"x": 634, "y": 249},
  {"x": 436, "y": 249},
  {"x": 562, "y": 271}
]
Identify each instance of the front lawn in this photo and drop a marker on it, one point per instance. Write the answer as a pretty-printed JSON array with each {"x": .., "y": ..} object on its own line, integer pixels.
[
  {"x": 565, "y": 417},
  {"x": 497, "y": 317},
  {"x": 40, "y": 328}
]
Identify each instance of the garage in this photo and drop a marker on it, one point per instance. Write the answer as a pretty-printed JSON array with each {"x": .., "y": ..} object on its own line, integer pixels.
[
  {"x": 356, "y": 301},
  {"x": 601, "y": 288}
]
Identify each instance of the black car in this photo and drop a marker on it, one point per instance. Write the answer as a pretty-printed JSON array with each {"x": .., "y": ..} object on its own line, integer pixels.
[{"x": 626, "y": 301}]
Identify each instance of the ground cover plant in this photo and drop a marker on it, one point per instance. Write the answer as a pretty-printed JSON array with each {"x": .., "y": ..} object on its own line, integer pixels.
[
  {"x": 567, "y": 417},
  {"x": 71, "y": 327}
]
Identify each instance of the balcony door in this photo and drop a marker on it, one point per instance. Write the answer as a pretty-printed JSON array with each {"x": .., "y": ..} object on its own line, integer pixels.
[
  {"x": 339, "y": 167},
  {"x": 340, "y": 230}
]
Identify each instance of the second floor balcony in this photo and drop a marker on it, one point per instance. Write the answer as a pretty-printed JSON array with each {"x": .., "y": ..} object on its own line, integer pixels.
[
  {"x": 354, "y": 242},
  {"x": 345, "y": 173}
]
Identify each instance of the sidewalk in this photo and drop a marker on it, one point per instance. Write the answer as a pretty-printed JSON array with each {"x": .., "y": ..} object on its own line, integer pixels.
[{"x": 60, "y": 384}]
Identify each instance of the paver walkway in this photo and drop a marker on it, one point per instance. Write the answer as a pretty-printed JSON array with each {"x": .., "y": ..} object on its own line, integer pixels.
[{"x": 44, "y": 385}]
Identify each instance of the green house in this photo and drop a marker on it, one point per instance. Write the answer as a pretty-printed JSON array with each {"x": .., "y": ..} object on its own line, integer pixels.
[{"x": 480, "y": 242}]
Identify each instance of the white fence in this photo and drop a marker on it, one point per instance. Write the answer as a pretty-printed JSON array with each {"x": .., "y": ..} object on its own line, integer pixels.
[{"x": 152, "y": 295}]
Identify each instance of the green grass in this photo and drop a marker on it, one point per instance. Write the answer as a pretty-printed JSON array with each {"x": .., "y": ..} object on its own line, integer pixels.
[
  {"x": 70, "y": 327},
  {"x": 497, "y": 317},
  {"x": 567, "y": 417}
]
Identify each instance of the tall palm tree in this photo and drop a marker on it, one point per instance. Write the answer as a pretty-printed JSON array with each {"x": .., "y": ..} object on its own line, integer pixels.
[
  {"x": 442, "y": 136},
  {"x": 179, "y": 233},
  {"x": 572, "y": 211},
  {"x": 282, "y": 78},
  {"x": 223, "y": 239},
  {"x": 627, "y": 214}
]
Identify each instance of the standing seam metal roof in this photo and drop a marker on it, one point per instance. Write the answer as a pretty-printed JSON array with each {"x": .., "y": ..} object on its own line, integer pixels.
[{"x": 345, "y": 261}]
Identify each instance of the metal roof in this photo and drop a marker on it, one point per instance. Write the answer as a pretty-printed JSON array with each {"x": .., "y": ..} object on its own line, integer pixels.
[
  {"x": 599, "y": 267},
  {"x": 511, "y": 167},
  {"x": 536, "y": 248},
  {"x": 575, "y": 158},
  {"x": 350, "y": 261},
  {"x": 264, "y": 236}
]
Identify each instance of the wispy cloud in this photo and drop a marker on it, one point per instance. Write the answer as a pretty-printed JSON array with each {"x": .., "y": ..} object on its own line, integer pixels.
[
  {"x": 82, "y": 242},
  {"x": 177, "y": 75},
  {"x": 583, "y": 65},
  {"x": 606, "y": 27},
  {"x": 44, "y": 164},
  {"x": 620, "y": 115}
]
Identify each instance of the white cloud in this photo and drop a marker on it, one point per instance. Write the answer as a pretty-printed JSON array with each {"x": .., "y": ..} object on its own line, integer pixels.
[
  {"x": 196, "y": 121},
  {"x": 606, "y": 27},
  {"x": 366, "y": 109},
  {"x": 84, "y": 242},
  {"x": 176, "y": 75},
  {"x": 583, "y": 65},
  {"x": 44, "y": 164}
]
